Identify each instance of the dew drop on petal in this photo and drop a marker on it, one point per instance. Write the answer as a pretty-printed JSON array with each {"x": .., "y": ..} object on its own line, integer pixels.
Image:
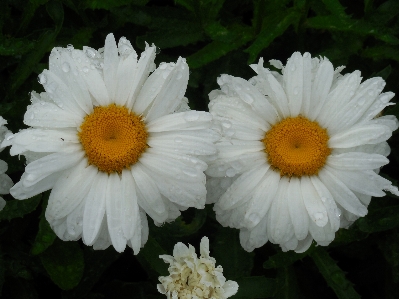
[
  {"x": 42, "y": 79},
  {"x": 65, "y": 67},
  {"x": 178, "y": 140},
  {"x": 191, "y": 116},
  {"x": 85, "y": 69}
]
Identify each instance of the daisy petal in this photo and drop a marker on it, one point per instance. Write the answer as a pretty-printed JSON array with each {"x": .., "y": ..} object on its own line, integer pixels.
[{"x": 298, "y": 213}]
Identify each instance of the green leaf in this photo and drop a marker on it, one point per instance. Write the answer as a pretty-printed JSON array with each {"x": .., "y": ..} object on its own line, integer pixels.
[
  {"x": 335, "y": 8},
  {"x": 255, "y": 287},
  {"x": 355, "y": 26},
  {"x": 109, "y": 4},
  {"x": 272, "y": 27},
  {"x": 333, "y": 275},
  {"x": 287, "y": 287},
  {"x": 236, "y": 262},
  {"x": 179, "y": 228},
  {"x": 151, "y": 252},
  {"x": 131, "y": 290},
  {"x": 176, "y": 33},
  {"x": 216, "y": 49},
  {"x": 382, "y": 52},
  {"x": 284, "y": 259},
  {"x": 187, "y": 4},
  {"x": 345, "y": 236},
  {"x": 18, "y": 208},
  {"x": 384, "y": 73},
  {"x": 379, "y": 220},
  {"x": 55, "y": 10},
  {"x": 2, "y": 271},
  {"x": 385, "y": 12},
  {"x": 15, "y": 46},
  {"x": 45, "y": 236},
  {"x": 390, "y": 249},
  {"x": 64, "y": 263},
  {"x": 96, "y": 262}
]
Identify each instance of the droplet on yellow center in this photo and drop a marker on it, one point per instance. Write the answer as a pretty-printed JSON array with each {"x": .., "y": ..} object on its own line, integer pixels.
[
  {"x": 297, "y": 146},
  {"x": 113, "y": 138}
]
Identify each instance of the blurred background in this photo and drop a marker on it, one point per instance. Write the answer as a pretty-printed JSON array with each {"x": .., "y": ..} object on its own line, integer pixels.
[{"x": 216, "y": 37}]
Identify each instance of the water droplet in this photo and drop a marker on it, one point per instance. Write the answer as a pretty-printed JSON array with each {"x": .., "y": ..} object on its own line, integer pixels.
[
  {"x": 70, "y": 47},
  {"x": 226, "y": 124},
  {"x": 32, "y": 116},
  {"x": 91, "y": 53},
  {"x": 65, "y": 67},
  {"x": 252, "y": 81},
  {"x": 85, "y": 69},
  {"x": 230, "y": 172},
  {"x": 191, "y": 116},
  {"x": 42, "y": 79},
  {"x": 370, "y": 92},
  {"x": 293, "y": 68},
  {"x": 229, "y": 132},
  {"x": 361, "y": 101},
  {"x": 254, "y": 218},
  {"x": 179, "y": 75},
  {"x": 178, "y": 140},
  {"x": 190, "y": 171},
  {"x": 296, "y": 90}
]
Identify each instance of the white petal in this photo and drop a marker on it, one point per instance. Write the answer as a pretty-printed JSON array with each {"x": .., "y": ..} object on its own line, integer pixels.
[
  {"x": 358, "y": 135},
  {"x": 337, "y": 99},
  {"x": 366, "y": 181},
  {"x": 307, "y": 84},
  {"x": 131, "y": 222},
  {"x": 2, "y": 203},
  {"x": 3, "y": 166},
  {"x": 148, "y": 195},
  {"x": 274, "y": 91},
  {"x": 5, "y": 183},
  {"x": 38, "y": 140},
  {"x": 66, "y": 68},
  {"x": 18, "y": 191},
  {"x": 279, "y": 225},
  {"x": 293, "y": 81},
  {"x": 145, "y": 65},
  {"x": 41, "y": 168},
  {"x": 262, "y": 198},
  {"x": 341, "y": 193},
  {"x": 111, "y": 62},
  {"x": 181, "y": 121},
  {"x": 356, "y": 161},
  {"x": 298, "y": 213},
  {"x": 71, "y": 188},
  {"x": 95, "y": 208},
  {"x": 125, "y": 77},
  {"x": 114, "y": 204},
  {"x": 172, "y": 86},
  {"x": 251, "y": 96},
  {"x": 237, "y": 193},
  {"x": 379, "y": 104},
  {"x": 304, "y": 244},
  {"x": 59, "y": 92},
  {"x": 49, "y": 115},
  {"x": 364, "y": 97},
  {"x": 328, "y": 201},
  {"x": 230, "y": 288},
  {"x": 316, "y": 210},
  {"x": 320, "y": 88}
]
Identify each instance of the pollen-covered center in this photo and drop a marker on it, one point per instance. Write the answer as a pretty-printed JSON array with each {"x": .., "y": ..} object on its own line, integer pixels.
[
  {"x": 297, "y": 146},
  {"x": 113, "y": 138}
]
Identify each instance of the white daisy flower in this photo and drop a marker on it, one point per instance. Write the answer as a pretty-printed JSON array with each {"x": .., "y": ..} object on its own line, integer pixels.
[
  {"x": 113, "y": 143},
  {"x": 5, "y": 181},
  {"x": 300, "y": 151},
  {"x": 194, "y": 278}
]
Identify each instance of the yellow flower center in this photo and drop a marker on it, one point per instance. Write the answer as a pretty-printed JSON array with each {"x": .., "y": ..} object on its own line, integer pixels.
[
  {"x": 297, "y": 146},
  {"x": 113, "y": 138}
]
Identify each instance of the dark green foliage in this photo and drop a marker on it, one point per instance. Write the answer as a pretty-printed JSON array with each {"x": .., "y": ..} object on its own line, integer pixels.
[
  {"x": 333, "y": 275},
  {"x": 256, "y": 287},
  {"x": 64, "y": 263},
  {"x": 216, "y": 37},
  {"x": 18, "y": 208}
]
